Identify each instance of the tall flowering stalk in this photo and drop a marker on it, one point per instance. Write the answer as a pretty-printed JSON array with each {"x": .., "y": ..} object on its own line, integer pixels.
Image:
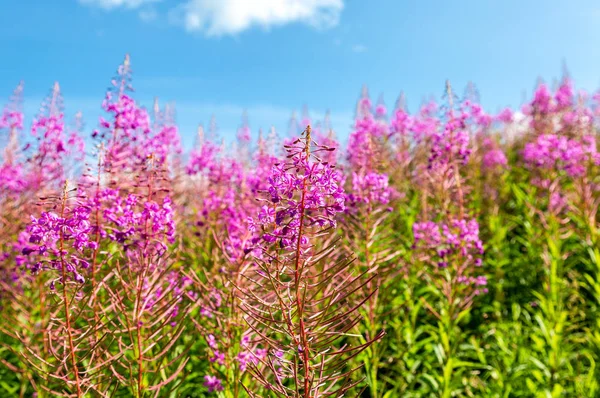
[
  {"x": 14, "y": 186},
  {"x": 40, "y": 247},
  {"x": 401, "y": 125},
  {"x": 58, "y": 244},
  {"x": 123, "y": 298},
  {"x": 225, "y": 197},
  {"x": 365, "y": 222},
  {"x": 136, "y": 222},
  {"x": 561, "y": 156},
  {"x": 53, "y": 145},
  {"x": 300, "y": 301},
  {"x": 448, "y": 243},
  {"x": 142, "y": 286},
  {"x": 562, "y": 159},
  {"x": 12, "y": 179},
  {"x": 367, "y": 144},
  {"x": 129, "y": 136},
  {"x": 370, "y": 237}
]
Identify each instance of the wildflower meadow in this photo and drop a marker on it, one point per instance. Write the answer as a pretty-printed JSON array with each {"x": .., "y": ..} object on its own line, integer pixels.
[{"x": 444, "y": 252}]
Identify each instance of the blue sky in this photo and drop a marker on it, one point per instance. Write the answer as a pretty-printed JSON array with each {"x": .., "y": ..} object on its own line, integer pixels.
[{"x": 272, "y": 56}]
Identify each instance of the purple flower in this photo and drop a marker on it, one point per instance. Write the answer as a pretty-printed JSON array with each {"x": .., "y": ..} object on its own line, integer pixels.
[
  {"x": 427, "y": 232},
  {"x": 211, "y": 341},
  {"x": 556, "y": 152},
  {"x": 505, "y": 116},
  {"x": 202, "y": 158},
  {"x": 45, "y": 235},
  {"x": 130, "y": 221},
  {"x": 455, "y": 245},
  {"x": 494, "y": 158},
  {"x": 133, "y": 140},
  {"x": 301, "y": 190},
  {"x": 370, "y": 188},
  {"x": 212, "y": 383},
  {"x": 402, "y": 123},
  {"x": 450, "y": 143}
]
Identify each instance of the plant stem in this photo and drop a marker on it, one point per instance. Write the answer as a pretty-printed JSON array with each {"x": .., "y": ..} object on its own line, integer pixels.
[
  {"x": 65, "y": 297},
  {"x": 297, "y": 272}
]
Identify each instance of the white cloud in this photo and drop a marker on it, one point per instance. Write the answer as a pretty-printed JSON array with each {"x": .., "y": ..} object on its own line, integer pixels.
[
  {"x": 110, "y": 4},
  {"x": 359, "y": 48},
  {"x": 229, "y": 17}
]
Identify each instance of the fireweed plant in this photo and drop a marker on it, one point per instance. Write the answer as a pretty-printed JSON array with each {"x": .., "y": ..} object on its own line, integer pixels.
[
  {"x": 446, "y": 239},
  {"x": 224, "y": 200},
  {"x": 303, "y": 302},
  {"x": 369, "y": 234},
  {"x": 271, "y": 267}
]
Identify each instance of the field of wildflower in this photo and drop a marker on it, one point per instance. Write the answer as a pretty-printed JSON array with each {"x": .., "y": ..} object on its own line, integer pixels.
[{"x": 447, "y": 252}]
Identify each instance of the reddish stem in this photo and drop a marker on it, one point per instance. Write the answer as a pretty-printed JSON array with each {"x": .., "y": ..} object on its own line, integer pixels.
[
  {"x": 66, "y": 299},
  {"x": 297, "y": 272}
]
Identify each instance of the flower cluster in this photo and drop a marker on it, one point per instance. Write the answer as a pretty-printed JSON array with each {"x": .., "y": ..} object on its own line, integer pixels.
[
  {"x": 134, "y": 222},
  {"x": 163, "y": 144},
  {"x": 363, "y": 141},
  {"x": 128, "y": 132},
  {"x": 425, "y": 124},
  {"x": 370, "y": 188},
  {"x": 213, "y": 383},
  {"x": 249, "y": 354},
  {"x": 11, "y": 120},
  {"x": 131, "y": 137},
  {"x": 217, "y": 169},
  {"x": 127, "y": 116},
  {"x": 564, "y": 96},
  {"x": 369, "y": 132},
  {"x": 12, "y": 178},
  {"x": 451, "y": 143},
  {"x": 493, "y": 156},
  {"x": 303, "y": 192},
  {"x": 255, "y": 178},
  {"x": 202, "y": 159},
  {"x": 401, "y": 123},
  {"x": 541, "y": 102},
  {"x": 57, "y": 241},
  {"x": 51, "y": 147},
  {"x": 476, "y": 113},
  {"x": 546, "y": 109},
  {"x": 224, "y": 203},
  {"x": 12, "y": 116},
  {"x": 244, "y": 134},
  {"x": 456, "y": 245},
  {"x": 557, "y": 152},
  {"x": 504, "y": 116}
]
